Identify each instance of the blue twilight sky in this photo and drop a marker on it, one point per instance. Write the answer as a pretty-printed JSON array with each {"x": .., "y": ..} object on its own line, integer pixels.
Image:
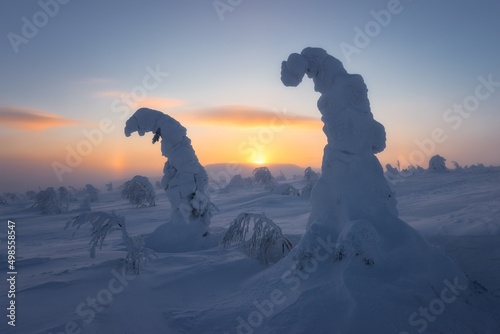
[{"x": 223, "y": 59}]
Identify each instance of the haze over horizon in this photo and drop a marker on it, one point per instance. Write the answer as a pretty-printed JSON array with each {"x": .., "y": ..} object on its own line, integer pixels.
[{"x": 72, "y": 73}]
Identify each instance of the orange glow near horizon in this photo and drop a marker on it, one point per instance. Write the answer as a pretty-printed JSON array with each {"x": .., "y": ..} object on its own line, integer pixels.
[{"x": 217, "y": 140}]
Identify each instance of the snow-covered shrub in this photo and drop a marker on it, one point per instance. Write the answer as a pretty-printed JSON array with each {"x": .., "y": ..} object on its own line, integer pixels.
[
  {"x": 238, "y": 182},
  {"x": 456, "y": 165},
  {"x": 47, "y": 201},
  {"x": 103, "y": 223},
  {"x": 286, "y": 189},
  {"x": 11, "y": 197},
  {"x": 391, "y": 170},
  {"x": 266, "y": 243},
  {"x": 264, "y": 178},
  {"x": 30, "y": 195},
  {"x": 311, "y": 177},
  {"x": 92, "y": 193},
  {"x": 437, "y": 164},
  {"x": 63, "y": 199},
  {"x": 85, "y": 205},
  {"x": 139, "y": 191},
  {"x": 281, "y": 177},
  {"x": 3, "y": 201}
]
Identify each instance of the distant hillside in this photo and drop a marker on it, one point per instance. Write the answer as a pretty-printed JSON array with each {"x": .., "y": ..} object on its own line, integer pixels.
[{"x": 289, "y": 170}]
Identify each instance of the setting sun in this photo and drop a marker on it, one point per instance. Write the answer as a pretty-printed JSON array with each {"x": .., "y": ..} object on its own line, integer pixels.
[{"x": 259, "y": 158}]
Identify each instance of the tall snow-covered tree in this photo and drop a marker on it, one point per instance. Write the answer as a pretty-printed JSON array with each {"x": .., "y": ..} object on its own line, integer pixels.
[
  {"x": 139, "y": 191},
  {"x": 184, "y": 179},
  {"x": 354, "y": 215}
]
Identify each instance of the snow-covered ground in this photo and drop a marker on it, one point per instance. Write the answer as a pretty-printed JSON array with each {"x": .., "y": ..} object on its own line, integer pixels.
[{"x": 60, "y": 289}]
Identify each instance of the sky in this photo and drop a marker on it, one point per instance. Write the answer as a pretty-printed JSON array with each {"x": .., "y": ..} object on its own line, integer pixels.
[{"x": 72, "y": 72}]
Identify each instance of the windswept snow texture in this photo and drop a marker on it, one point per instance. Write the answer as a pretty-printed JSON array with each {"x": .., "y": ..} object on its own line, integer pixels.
[
  {"x": 184, "y": 178},
  {"x": 202, "y": 292}
]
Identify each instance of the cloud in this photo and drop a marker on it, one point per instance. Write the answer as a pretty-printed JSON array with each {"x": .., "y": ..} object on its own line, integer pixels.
[
  {"x": 153, "y": 102},
  {"x": 31, "y": 119},
  {"x": 247, "y": 116}
]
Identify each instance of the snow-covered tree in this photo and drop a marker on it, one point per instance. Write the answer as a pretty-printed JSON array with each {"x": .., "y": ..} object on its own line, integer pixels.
[
  {"x": 3, "y": 201},
  {"x": 391, "y": 170},
  {"x": 311, "y": 177},
  {"x": 12, "y": 197},
  {"x": 103, "y": 223},
  {"x": 281, "y": 177},
  {"x": 47, "y": 201},
  {"x": 266, "y": 242},
  {"x": 184, "y": 179},
  {"x": 63, "y": 199},
  {"x": 30, "y": 195},
  {"x": 353, "y": 212},
  {"x": 264, "y": 178},
  {"x": 237, "y": 182},
  {"x": 286, "y": 189},
  {"x": 437, "y": 164},
  {"x": 92, "y": 193},
  {"x": 85, "y": 204},
  {"x": 139, "y": 191},
  {"x": 109, "y": 186}
]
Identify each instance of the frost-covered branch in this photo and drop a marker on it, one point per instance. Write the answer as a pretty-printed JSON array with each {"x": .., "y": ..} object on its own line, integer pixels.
[
  {"x": 266, "y": 243},
  {"x": 103, "y": 223}
]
